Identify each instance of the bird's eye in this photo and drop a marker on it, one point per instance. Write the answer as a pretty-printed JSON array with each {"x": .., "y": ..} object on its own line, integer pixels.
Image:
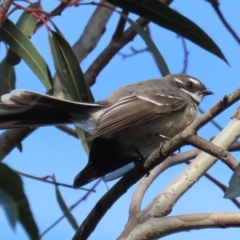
[{"x": 190, "y": 85}]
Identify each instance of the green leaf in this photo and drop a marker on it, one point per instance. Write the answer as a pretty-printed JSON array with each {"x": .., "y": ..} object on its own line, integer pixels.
[
  {"x": 11, "y": 185},
  {"x": 68, "y": 69},
  {"x": 166, "y": 17},
  {"x": 27, "y": 21},
  {"x": 234, "y": 185},
  {"x": 10, "y": 208},
  {"x": 65, "y": 209},
  {"x": 23, "y": 47},
  {"x": 151, "y": 45},
  {"x": 71, "y": 76},
  {"x": 7, "y": 77}
]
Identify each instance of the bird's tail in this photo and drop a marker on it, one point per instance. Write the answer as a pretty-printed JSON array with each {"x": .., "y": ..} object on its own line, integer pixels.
[{"x": 22, "y": 108}]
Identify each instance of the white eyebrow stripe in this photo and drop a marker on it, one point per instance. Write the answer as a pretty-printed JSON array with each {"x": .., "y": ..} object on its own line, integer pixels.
[
  {"x": 178, "y": 80},
  {"x": 194, "y": 80},
  {"x": 150, "y": 100}
]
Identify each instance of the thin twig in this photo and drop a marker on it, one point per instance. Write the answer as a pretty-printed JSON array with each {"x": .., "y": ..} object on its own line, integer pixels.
[
  {"x": 215, "y": 5},
  {"x": 44, "y": 179},
  {"x": 5, "y": 5},
  {"x": 68, "y": 130},
  {"x": 71, "y": 208}
]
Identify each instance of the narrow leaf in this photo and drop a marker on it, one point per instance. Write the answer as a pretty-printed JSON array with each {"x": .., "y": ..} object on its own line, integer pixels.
[
  {"x": 234, "y": 185},
  {"x": 65, "y": 209},
  {"x": 151, "y": 45},
  {"x": 23, "y": 47},
  {"x": 71, "y": 76},
  {"x": 7, "y": 77},
  {"x": 27, "y": 21},
  {"x": 10, "y": 208},
  {"x": 70, "y": 71},
  {"x": 166, "y": 17},
  {"x": 11, "y": 185}
]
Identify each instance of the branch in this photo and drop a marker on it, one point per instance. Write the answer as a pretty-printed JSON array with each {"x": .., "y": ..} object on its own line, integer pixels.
[
  {"x": 12, "y": 138},
  {"x": 163, "y": 203},
  {"x": 110, "y": 51},
  {"x": 5, "y": 5},
  {"x": 155, "y": 228},
  {"x": 215, "y": 5},
  {"x": 90, "y": 37},
  {"x": 154, "y": 159}
]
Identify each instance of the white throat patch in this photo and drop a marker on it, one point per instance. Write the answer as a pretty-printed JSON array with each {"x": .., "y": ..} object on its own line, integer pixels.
[{"x": 195, "y": 96}]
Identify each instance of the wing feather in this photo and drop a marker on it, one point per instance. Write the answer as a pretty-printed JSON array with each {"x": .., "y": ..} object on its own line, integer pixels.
[{"x": 134, "y": 110}]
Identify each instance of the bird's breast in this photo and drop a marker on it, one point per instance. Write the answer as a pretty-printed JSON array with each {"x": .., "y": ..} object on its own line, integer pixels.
[{"x": 145, "y": 137}]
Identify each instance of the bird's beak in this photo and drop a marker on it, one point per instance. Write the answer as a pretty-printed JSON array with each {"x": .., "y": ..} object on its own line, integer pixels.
[{"x": 206, "y": 92}]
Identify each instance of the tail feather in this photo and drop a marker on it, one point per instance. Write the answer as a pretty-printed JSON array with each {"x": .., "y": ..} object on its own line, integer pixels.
[
  {"x": 106, "y": 155},
  {"x": 25, "y": 108}
]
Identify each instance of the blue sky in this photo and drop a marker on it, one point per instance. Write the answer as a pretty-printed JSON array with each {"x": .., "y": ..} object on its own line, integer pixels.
[{"x": 49, "y": 150}]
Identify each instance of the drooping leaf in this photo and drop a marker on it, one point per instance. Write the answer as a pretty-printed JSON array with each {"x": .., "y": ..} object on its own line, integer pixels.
[
  {"x": 234, "y": 185},
  {"x": 23, "y": 47},
  {"x": 166, "y": 17},
  {"x": 68, "y": 69},
  {"x": 65, "y": 209},
  {"x": 11, "y": 185},
  {"x": 9, "y": 207},
  {"x": 151, "y": 45},
  {"x": 7, "y": 77},
  {"x": 27, "y": 21},
  {"x": 71, "y": 76}
]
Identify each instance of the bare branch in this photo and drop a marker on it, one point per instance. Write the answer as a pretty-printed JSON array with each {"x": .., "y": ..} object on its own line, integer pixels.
[
  {"x": 213, "y": 150},
  {"x": 11, "y": 138},
  {"x": 71, "y": 208},
  {"x": 110, "y": 51},
  {"x": 154, "y": 159},
  {"x": 215, "y": 5},
  {"x": 155, "y": 228},
  {"x": 5, "y": 5},
  {"x": 68, "y": 130}
]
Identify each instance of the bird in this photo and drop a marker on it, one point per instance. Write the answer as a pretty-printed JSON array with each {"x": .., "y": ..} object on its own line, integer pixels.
[{"x": 125, "y": 127}]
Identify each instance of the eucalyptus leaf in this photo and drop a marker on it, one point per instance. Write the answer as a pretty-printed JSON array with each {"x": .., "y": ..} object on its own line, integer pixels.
[
  {"x": 23, "y": 47},
  {"x": 164, "y": 16},
  {"x": 65, "y": 209},
  {"x": 234, "y": 185},
  {"x": 151, "y": 45},
  {"x": 11, "y": 184},
  {"x": 10, "y": 208}
]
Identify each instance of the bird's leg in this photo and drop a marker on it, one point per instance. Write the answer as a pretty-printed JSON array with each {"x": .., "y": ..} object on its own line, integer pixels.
[{"x": 140, "y": 156}]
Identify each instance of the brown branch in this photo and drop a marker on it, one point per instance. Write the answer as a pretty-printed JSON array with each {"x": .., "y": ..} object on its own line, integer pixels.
[
  {"x": 213, "y": 150},
  {"x": 141, "y": 169},
  {"x": 45, "y": 179},
  {"x": 120, "y": 27},
  {"x": 222, "y": 187},
  {"x": 156, "y": 228},
  {"x": 5, "y": 5},
  {"x": 110, "y": 51},
  {"x": 68, "y": 130},
  {"x": 215, "y": 5},
  {"x": 186, "y": 54},
  {"x": 134, "y": 52},
  {"x": 12, "y": 138},
  {"x": 145, "y": 182},
  {"x": 218, "y": 126}
]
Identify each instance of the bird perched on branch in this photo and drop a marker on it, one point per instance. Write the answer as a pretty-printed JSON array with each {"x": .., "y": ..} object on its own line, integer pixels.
[{"x": 130, "y": 123}]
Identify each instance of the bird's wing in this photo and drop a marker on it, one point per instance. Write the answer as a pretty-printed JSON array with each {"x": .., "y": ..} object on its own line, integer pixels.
[{"x": 133, "y": 110}]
